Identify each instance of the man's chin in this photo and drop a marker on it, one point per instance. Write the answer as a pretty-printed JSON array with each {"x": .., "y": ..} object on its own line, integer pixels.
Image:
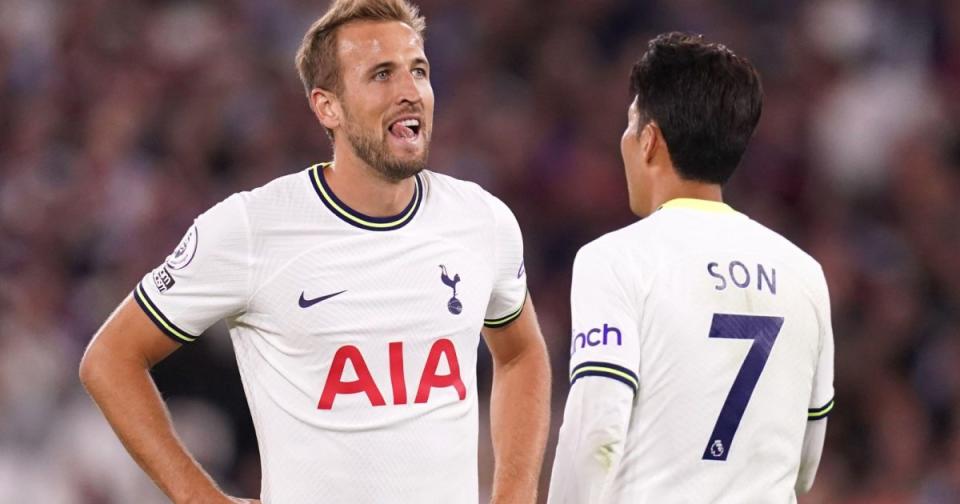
[
  {"x": 397, "y": 172},
  {"x": 392, "y": 161},
  {"x": 407, "y": 161},
  {"x": 397, "y": 168}
]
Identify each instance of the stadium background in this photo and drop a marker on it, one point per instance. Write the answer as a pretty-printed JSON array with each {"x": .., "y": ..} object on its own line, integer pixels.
[{"x": 122, "y": 120}]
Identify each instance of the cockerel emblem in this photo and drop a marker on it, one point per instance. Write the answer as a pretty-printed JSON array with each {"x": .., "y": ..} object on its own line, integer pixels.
[{"x": 453, "y": 304}]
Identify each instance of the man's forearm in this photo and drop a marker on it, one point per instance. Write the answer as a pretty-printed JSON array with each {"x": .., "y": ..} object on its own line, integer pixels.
[
  {"x": 128, "y": 398},
  {"x": 519, "y": 420},
  {"x": 592, "y": 440},
  {"x": 813, "y": 439}
]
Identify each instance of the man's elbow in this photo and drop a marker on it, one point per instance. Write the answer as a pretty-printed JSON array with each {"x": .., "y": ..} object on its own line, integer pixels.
[
  {"x": 531, "y": 357},
  {"x": 98, "y": 366},
  {"x": 540, "y": 357},
  {"x": 89, "y": 367},
  {"x": 535, "y": 361},
  {"x": 537, "y": 354}
]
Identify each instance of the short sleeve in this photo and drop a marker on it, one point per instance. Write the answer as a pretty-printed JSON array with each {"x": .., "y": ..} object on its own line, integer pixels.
[
  {"x": 605, "y": 310},
  {"x": 821, "y": 400},
  {"x": 510, "y": 276},
  {"x": 205, "y": 278}
]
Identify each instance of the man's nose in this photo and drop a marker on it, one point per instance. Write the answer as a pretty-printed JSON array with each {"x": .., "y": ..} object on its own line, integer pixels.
[{"x": 408, "y": 90}]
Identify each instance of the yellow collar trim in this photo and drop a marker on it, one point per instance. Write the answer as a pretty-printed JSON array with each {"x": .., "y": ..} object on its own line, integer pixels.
[
  {"x": 699, "y": 204},
  {"x": 356, "y": 218}
]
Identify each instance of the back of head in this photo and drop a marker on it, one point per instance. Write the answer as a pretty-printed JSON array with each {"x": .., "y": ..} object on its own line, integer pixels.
[{"x": 705, "y": 99}]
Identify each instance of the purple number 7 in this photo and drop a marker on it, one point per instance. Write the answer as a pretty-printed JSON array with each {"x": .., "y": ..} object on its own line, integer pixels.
[{"x": 763, "y": 331}]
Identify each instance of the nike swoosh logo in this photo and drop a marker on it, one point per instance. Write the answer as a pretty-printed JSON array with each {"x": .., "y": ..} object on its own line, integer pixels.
[{"x": 307, "y": 303}]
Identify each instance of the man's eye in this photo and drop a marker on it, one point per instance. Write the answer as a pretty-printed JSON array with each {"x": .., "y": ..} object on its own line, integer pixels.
[
  {"x": 381, "y": 75},
  {"x": 419, "y": 72}
]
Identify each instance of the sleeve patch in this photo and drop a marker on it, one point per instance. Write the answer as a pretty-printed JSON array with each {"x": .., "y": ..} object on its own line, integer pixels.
[
  {"x": 183, "y": 255},
  {"x": 605, "y": 369},
  {"x": 163, "y": 279}
]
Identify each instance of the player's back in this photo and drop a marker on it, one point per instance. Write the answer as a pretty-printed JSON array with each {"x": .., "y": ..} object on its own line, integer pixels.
[{"x": 731, "y": 319}]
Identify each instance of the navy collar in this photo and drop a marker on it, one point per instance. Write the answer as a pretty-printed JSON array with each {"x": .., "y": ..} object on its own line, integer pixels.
[{"x": 355, "y": 218}]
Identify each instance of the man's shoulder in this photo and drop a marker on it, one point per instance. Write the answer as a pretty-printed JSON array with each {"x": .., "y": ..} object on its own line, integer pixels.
[
  {"x": 259, "y": 209},
  {"x": 785, "y": 248},
  {"x": 623, "y": 239},
  {"x": 464, "y": 194},
  {"x": 448, "y": 184},
  {"x": 285, "y": 189},
  {"x": 769, "y": 245},
  {"x": 617, "y": 246},
  {"x": 728, "y": 231}
]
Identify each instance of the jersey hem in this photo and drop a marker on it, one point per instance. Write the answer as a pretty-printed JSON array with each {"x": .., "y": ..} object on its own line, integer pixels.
[
  {"x": 159, "y": 319},
  {"x": 506, "y": 320}
]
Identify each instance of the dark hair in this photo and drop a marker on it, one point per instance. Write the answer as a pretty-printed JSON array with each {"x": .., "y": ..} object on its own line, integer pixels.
[{"x": 704, "y": 98}]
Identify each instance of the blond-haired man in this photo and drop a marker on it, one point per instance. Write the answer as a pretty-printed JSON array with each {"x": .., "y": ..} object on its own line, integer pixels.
[{"x": 354, "y": 292}]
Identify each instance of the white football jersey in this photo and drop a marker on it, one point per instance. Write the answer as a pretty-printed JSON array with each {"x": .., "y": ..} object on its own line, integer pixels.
[
  {"x": 356, "y": 337},
  {"x": 721, "y": 329}
]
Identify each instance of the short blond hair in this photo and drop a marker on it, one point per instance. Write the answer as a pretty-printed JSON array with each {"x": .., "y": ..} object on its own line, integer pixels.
[{"x": 317, "y": 61}]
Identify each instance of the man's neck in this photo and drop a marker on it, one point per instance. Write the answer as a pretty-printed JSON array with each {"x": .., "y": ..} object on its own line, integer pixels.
[
  {"x": 363, "y": 189},
  {"x": 680, "y": 188}
]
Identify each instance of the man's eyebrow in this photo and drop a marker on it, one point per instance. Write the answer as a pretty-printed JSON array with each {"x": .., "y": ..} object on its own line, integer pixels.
[
  {"x": 384, "y": 65},
  {"x": 389, "y": 65}
]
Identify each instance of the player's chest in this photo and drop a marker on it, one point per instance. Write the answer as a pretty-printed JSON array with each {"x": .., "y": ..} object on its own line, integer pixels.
[{"x": 357, "y": 288}]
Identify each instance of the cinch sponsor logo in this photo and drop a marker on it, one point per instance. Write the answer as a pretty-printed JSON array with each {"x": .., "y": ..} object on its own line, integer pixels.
[{"x": 596, "y": 336}]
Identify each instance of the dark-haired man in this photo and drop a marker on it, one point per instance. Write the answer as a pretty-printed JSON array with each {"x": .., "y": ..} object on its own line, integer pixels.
[{"x": 701, "y": 359}]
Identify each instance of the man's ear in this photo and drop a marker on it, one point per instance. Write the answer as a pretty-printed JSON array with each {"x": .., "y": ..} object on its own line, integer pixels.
[
  {"x": 326, "y": 106},
  {"x": 650, "y": 141}
]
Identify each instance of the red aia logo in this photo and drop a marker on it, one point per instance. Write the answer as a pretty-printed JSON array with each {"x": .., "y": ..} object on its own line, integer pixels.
[{"x": 364, "y": 383}]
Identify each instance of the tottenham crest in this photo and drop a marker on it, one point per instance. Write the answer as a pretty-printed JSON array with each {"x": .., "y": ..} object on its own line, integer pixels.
[{"x": 453, "y": 304}]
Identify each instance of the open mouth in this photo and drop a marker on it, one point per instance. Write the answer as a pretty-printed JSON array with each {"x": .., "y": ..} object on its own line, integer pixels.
[{"x": 406, "y": 129}]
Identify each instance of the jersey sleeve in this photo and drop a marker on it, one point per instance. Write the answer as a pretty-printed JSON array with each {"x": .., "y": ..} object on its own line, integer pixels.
[
  {"x": 605, "y": 311},
  {"x": 592, "y": 441},
  {"x": 821, "y": 400},
  {"x": 205, "y": 279},
  {"x": 510, "y": 276}
]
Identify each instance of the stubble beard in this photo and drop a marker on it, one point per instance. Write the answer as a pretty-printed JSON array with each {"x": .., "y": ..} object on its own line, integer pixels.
[{"x": 374, "y": 152}]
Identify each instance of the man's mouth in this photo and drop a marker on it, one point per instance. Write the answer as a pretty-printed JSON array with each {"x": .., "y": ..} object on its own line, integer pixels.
[{"x": 406, "y": 129}]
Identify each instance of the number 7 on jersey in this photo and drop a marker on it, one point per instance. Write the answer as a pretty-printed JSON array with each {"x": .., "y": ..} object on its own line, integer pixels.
[{"x": 763, "y": 331}]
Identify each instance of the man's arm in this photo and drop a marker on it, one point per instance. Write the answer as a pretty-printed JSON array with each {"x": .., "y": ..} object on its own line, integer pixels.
[
  {"x": 813, "y": 440},
  {"x": 116, "y": 372},
  {"x": 821, "y": 397},
  {"x": 519, "y": 406},
  {"x": 592, "y": 440},
  {"x": 604, "y": 372}
]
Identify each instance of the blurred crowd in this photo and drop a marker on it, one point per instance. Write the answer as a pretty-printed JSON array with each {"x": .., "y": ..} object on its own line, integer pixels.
[{"x": 120, "y": 121}]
